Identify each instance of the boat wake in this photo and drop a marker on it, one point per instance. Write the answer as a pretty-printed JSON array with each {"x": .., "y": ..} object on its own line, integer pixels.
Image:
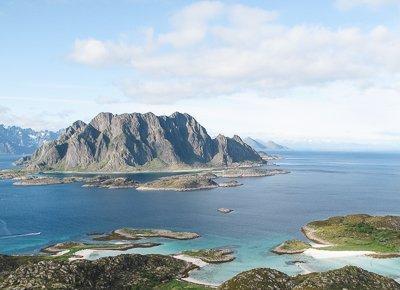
[{"x": 20, "y": 235}]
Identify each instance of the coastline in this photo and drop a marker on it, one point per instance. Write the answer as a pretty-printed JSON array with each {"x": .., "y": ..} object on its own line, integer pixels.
[
  {"x": 200, "y": 264},
  {"x": 165, "y": 170},
  {"x": 310, "y": 234},
  {"x": 329, "y": 254}
]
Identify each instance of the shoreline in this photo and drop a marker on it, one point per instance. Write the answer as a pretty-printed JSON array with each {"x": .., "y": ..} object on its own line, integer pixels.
[
  {"x": 310, "y": 234},
  {"x": 182, "y": 170},
  {"x": 317, "y": 253},
  {"x": 144, "y": 188},
  {"x": 200, "y": 264}
]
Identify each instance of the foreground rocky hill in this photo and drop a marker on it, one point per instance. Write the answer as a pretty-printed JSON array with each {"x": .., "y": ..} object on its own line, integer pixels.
[
  {"x": 161, "y": 272},
  {"x": 121, "y": 272},
  {"x": 124, "y": 142},
  {"x": 16, "y": 140},
  {"x": 349, "y": 277}
]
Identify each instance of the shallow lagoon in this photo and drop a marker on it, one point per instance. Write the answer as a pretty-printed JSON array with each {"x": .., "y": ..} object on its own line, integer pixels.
[{"x": 267, "y": 211}]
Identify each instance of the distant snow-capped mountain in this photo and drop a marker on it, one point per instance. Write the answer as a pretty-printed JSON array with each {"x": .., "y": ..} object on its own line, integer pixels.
[
  {"x": 16, "y": 140},
  {"x": 259, "y": 145}
]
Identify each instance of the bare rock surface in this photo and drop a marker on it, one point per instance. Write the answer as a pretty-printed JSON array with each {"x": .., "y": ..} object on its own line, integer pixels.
[{"x": 139, "y": 141}]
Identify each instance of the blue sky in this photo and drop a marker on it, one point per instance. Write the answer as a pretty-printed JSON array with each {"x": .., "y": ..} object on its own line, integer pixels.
[{"x": 300, "y": 72}]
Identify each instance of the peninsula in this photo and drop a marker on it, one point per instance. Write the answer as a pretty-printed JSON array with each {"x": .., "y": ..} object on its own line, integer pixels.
[{"x": 375, "y": 236}]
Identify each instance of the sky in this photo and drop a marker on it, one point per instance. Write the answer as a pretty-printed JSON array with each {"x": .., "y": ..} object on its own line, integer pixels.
[{"x": 309, "y": 74}]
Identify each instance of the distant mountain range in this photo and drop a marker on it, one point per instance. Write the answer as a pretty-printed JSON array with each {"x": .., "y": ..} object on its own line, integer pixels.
[
  {"x": 16, "y": 140},
  {"x": 124, "y": 142},
  {"x": 259, "y": 145}
]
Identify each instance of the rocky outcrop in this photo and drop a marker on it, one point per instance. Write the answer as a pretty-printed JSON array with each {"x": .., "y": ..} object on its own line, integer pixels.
[
  {"x": 291, "y": 247},
  {"x": 121, "y": 272},
  {"x": 131, "y": 141},
  {"x": 248, "y": 172},
  {"x": 212, "y": 256},
  {"x": 184, "y": 182},
  {"x": 349, "y": 277},
  {"x": 137, "y": 234},
  {"x": 110, "y": 182}
]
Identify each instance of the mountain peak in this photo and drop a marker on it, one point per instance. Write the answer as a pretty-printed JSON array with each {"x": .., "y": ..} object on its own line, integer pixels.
[{"x": 123, "y": 142}]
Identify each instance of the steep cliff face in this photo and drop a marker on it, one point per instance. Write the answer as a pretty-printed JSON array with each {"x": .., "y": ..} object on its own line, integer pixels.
[{"x": 123, "y": 142}]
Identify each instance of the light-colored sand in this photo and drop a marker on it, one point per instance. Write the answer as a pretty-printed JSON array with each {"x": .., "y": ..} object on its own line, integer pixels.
[
  {"x": 306, "y": 269},
  {"x": 317, "y": 246},
  {"x": 325, "y": 254},
  {"x": 60, "y": 253},
  {"x": 195, "y": 261},
  {"x": 195, "y": 281},
  {"x": 82, "y": 255}
]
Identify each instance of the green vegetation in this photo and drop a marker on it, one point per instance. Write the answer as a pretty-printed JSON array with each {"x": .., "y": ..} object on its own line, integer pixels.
[
  {"x": 120, "y": 272},
  {"x": 179, "y": 284},
  {"x": 291, "y": 247},
  {"x": 212, "y": 255},
  {"x": 73, "y": 248},
  {"x": 136, "y": 234},
  {"x": 359, "y": 232},
  {"x": 181, "y": 182}
]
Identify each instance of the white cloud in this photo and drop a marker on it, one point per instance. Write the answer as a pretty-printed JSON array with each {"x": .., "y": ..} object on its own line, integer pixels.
[
  {"x": 349, "y": 4},
  {"x": 212, "y": 45},
  {"x": 299, "y": 82}
]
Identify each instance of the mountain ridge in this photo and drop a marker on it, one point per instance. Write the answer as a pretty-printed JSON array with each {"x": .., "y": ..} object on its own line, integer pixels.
[
  {"x": 260, "y": 145},
  {"x": 124, "y": 142},
  {"x": 17, "y": 140}
]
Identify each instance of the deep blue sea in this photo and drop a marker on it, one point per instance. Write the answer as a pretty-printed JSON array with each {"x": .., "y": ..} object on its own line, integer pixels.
[{"x": 268, "y": 211}]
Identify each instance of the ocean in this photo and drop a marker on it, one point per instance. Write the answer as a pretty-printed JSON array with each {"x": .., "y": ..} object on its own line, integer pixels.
[{"x": 267, "y": 211}]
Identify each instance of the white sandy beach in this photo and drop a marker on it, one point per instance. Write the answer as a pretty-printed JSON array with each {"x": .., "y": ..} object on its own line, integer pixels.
[
  {"x": 82, "y": 255},
  {"x": 326, "y": 254},
  {"x": 195, "y": 281},
  {"x": 61, "y": 253},
  {"x": 195, "y": 261}
]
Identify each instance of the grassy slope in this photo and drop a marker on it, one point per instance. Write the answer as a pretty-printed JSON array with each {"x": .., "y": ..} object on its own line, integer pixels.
[
  {"x": 178, "y": 284},
  {"x": 360, "y": 232},
  {"x": 294, "y": 245}
]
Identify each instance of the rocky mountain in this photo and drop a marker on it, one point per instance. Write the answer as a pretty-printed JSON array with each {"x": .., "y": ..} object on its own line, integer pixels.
[
  {"x": 16, "y": 140},
  {"x": 259, "y": 145},
  {"x": 146, "y": 141}
]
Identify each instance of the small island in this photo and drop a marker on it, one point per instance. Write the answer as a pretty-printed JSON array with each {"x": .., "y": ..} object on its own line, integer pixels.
[
  {"x": 291, "y": 247},
  {"x": 212, "y": 256},
  {"x": 110, "y": 182},
  {"x": 248, "y": 172},
  {"x": 29, "y": 180},
  {"x": 11, "y": 174},
  {"x": 69, "y": 250},
  {"x": 136, "y": 234},
  {"x": 185, "y": 182},
  {"x": 225, "y": 210},
  {"x": 230, "y": 183}
]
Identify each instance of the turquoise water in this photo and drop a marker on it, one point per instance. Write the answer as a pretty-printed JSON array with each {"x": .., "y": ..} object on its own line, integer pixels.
[{"x": 267, "y": 211}]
